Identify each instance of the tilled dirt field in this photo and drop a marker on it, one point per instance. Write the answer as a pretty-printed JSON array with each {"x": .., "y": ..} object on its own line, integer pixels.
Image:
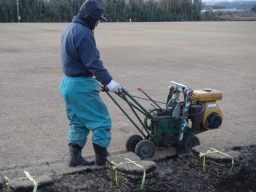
[{"x": 176, "y": 174}]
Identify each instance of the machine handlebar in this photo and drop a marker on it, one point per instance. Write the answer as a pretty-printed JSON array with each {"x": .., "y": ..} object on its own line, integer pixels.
[{"x": 179, "y": 84}]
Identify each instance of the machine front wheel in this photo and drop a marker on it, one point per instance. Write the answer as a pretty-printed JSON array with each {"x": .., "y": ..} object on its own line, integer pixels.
[
  {"x": 145, "y": 149},
  {"x": 190, "y": 141},
  {"x": 132, "y": 142}
]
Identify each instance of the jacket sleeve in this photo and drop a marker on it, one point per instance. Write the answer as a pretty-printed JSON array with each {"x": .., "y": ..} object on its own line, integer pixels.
[{"x": 90, "y": 57}]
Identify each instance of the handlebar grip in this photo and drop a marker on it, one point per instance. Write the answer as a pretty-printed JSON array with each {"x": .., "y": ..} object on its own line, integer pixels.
[{"x": 104, "y": 88}]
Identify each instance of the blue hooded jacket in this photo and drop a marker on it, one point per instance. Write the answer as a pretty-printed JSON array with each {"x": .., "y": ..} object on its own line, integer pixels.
[{"x": 79, "y": 54}]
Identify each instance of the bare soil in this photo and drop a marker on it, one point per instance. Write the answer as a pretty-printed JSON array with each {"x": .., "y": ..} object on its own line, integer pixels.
[{"x": 176, "y": 174}]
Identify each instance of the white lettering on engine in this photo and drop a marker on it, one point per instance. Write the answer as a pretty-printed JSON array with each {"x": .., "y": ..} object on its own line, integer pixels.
[{"x": 212, "y": 106}]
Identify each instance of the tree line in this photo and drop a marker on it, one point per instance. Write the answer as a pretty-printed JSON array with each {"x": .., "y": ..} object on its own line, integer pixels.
[{"x": 114, "y": 10}]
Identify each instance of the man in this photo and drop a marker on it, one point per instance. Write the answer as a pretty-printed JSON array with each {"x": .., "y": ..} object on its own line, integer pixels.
[{"x": 84, "y": 106}]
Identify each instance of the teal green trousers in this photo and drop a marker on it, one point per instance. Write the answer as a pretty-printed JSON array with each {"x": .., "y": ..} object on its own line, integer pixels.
[{"x": 86, "y": 111}]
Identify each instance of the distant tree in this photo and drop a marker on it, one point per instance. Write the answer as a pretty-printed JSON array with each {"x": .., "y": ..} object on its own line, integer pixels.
[{"x": 253, "y": 8}]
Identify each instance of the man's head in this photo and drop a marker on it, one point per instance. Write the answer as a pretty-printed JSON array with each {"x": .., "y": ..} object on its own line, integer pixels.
[{"x": 92, "y": 9}]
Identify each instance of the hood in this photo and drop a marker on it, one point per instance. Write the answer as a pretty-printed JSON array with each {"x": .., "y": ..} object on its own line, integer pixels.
[{"x": 92, "y": 9}]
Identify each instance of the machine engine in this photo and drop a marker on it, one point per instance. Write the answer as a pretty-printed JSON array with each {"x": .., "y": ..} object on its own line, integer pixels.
[{"x": 205, "y": 113}]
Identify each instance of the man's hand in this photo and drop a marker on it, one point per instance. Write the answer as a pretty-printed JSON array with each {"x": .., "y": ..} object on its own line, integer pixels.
[{"x": 114, "y": 87}]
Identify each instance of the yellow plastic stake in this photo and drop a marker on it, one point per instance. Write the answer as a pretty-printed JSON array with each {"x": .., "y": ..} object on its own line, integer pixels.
[
  {"x": 133, "y": 162},
  {"x": 28, "y": 176},
  {"x": 216, "y": 151},
  {"x": 31, "y": 179}
]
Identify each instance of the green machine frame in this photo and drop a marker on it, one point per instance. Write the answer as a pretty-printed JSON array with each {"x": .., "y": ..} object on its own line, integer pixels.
[{"x": 164, "y": 127}]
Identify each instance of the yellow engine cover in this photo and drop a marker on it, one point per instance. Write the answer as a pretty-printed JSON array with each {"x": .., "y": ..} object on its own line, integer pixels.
[
  {"x": 202, "y": 95},
  {"x": 211, "y": 107}
]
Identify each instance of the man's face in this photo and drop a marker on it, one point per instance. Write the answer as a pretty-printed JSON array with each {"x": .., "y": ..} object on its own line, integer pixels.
[{"x": 96, "y": 24}]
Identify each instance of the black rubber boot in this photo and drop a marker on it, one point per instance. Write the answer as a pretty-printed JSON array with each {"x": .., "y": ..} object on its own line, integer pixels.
[
  {"x": 76, "y": 158},
  {"x": 101, "y": 155}
]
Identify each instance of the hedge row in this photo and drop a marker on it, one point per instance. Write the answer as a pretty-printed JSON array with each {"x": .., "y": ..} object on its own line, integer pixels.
[{"x": 115, "y": 10}]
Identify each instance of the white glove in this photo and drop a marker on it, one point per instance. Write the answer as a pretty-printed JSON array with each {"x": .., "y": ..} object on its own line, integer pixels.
[{"x": 114, "y": 86}]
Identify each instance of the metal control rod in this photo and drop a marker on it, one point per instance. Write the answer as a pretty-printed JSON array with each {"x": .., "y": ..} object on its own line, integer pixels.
[{"x": 140, "y": 89}]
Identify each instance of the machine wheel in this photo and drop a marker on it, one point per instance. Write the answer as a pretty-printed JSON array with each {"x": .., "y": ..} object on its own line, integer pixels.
[
  {"x": 145, "y": 149},
  {"x": 132, "y": 142},
  {"x": 190, "y": 141}
]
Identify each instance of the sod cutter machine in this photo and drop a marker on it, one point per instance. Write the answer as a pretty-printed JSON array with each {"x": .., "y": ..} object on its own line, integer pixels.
[{"x": 186, "y": 114}]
